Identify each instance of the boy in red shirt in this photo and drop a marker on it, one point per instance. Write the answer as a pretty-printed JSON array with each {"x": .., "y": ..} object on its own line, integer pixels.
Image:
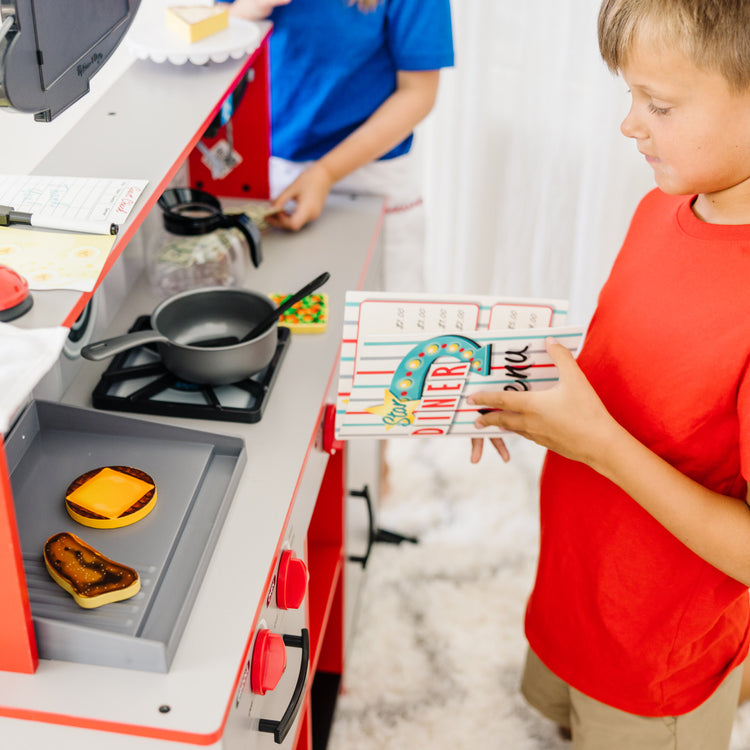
[{"x": 638, "y": 620}]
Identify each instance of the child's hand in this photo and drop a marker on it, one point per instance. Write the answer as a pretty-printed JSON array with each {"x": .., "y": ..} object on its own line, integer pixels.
[
  {"x": 477, "y": 446},
  {"x": 254, "y": 10},
  {"x": 569, "y": 418},
  {"x": 308, "y": 193}
]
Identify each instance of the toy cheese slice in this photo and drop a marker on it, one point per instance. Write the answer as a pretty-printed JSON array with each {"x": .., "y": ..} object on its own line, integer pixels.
[{"x": 110, "y": 497}]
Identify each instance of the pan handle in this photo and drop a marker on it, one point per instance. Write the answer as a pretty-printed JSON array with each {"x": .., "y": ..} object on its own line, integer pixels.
[{"x": 109, "y": 347}]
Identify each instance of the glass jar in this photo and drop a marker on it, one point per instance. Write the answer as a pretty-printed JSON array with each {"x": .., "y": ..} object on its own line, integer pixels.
[{"x": 201, "y": 245}]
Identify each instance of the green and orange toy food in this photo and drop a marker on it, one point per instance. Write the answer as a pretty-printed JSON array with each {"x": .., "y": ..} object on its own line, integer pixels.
[{"x": 309, "y": 315}]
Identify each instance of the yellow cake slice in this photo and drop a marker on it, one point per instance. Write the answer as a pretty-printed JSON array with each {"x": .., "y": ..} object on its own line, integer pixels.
[{"x": 195, "y": 22}]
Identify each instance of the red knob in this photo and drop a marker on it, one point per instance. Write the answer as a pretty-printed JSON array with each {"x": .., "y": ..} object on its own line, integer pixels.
[
  {"x": 292, "y": 581},
  {"x": 268, "y": 662},
  {"x": 13, "y": 288}
]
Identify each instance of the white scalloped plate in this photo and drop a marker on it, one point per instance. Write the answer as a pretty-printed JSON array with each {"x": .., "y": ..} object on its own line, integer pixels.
[{"x": 149, "y": 38}]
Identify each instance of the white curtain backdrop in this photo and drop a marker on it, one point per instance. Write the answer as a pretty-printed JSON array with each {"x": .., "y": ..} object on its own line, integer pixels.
[{"x": 529, "y": 185}]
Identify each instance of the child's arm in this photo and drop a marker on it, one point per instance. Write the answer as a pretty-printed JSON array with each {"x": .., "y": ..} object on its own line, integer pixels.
[
  {"x": 388, "y": 125},
  {"x": 571, "y": 420},
  {"x": 254, "y": 10}
]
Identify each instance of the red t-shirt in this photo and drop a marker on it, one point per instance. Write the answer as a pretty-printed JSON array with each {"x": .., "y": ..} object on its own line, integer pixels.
[{"x": 622, "y": 610}]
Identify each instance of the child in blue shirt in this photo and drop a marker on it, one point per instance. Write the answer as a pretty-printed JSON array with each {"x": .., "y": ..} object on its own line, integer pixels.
[{"x": 349, "y": 82}]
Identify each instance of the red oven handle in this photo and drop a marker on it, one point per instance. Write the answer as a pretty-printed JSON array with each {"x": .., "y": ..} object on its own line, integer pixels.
[{"x": 281, "y": 728}]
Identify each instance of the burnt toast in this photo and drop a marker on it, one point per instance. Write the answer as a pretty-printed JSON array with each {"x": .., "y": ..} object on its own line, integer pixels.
[{"x": 86, "y": 574}]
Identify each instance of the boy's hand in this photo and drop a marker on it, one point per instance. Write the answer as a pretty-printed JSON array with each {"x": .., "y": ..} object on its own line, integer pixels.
[
  {"x": 569, "y": 418},
  {"x": 308, "y": 194},
  {"x": 254, "y": 10},
  {"x": 477, "y": 446}
]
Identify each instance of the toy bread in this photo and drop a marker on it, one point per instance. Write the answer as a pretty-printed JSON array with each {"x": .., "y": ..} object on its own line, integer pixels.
[
  {"x": 88, "y": 576},
  {"x": 194, "y": 22},
  {"x": 110, "y": 497},
  {"x": 309, "y": 315}
]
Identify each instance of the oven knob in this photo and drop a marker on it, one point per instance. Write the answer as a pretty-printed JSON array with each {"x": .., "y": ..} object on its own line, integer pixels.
[
  {"x": 292, "y": 581},
  {"x": 268, "y": 662}
]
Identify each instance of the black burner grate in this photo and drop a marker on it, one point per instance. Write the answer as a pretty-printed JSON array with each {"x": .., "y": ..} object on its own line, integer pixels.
[{"x": 157, "y": 391}]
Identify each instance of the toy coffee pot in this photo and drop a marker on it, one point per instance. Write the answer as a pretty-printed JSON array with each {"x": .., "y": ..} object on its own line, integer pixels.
[{"x": 201, "y": 246}]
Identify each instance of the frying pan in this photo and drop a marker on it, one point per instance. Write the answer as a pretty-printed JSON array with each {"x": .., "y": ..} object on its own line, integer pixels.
[{"x": 187, "y": 327}]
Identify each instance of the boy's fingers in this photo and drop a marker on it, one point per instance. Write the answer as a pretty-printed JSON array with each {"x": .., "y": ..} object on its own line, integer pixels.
[
  {"x": 477, "y": 446},
  {"x": 476, "y": 449},
  {"x": 487, "y": 399},
  {"x": 501, "y": 448},
  {"x": 560, "y": 355},
  {"x": 491, "y": 401}
]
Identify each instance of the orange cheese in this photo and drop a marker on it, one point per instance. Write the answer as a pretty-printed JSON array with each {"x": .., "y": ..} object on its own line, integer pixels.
[{"x": 109, "y": 493}]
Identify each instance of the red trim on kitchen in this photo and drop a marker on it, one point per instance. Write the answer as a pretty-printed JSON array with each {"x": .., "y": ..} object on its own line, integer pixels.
[{"x": 18, "y": 646}]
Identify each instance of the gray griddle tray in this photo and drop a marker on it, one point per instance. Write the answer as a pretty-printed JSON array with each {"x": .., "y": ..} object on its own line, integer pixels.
[{"x": 196, "y": 475}]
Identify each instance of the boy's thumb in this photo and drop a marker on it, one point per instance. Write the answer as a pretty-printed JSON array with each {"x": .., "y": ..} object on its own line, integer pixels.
[{"x": 560, "y": 355}]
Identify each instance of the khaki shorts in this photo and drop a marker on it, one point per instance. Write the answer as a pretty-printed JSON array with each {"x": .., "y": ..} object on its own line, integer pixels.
[{"x": 596, "y": 726}]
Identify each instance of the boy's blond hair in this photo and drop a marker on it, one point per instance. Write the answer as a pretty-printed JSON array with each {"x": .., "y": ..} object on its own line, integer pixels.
[{"x": 714, "y": 34}]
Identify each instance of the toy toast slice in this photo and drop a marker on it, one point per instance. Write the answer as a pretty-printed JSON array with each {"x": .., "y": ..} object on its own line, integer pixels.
[{"x": 86, "y": 574}]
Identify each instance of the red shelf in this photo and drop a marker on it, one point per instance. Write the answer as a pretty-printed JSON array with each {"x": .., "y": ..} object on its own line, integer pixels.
[
  {"x": 325, "y": 564},
  {"x": 250, "y": 138},
  {"x": 325, "y": 596}
]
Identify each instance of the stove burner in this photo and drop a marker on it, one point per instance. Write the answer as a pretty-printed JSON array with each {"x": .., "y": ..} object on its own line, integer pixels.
[
  {"x": 137, "y": 381},
  {"x": 183, "y": 385}
]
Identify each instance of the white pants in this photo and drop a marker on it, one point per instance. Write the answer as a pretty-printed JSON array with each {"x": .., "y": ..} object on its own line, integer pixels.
[{"x": 404, "y": 226}]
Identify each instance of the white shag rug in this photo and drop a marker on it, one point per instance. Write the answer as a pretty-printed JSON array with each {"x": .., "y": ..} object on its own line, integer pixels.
[{"x": 437, "y": 649}]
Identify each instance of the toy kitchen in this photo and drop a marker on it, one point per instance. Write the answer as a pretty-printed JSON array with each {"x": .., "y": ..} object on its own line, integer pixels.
[{"x": 236, "y": 637}]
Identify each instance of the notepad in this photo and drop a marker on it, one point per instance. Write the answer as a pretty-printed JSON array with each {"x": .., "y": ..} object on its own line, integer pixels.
[{"x": 99, "y": 201}]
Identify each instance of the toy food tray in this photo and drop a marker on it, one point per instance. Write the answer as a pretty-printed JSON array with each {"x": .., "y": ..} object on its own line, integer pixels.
[{"x": 196, "y": 474}]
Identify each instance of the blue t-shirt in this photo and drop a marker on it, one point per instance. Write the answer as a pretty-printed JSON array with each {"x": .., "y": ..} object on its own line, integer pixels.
[{"x": 332, "y": 65}]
